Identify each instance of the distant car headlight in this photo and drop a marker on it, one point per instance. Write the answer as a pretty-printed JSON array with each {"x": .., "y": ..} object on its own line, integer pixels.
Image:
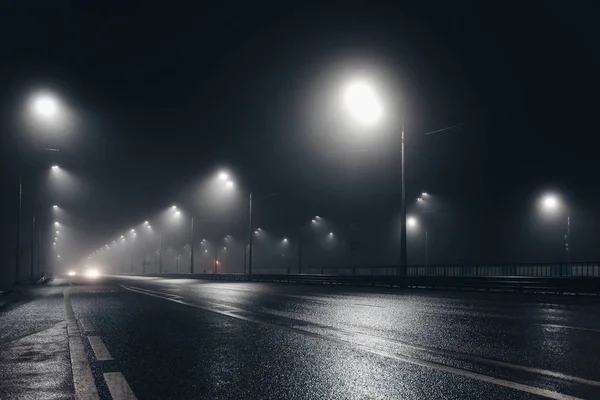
[
  {"x": 92, "y": 273},
  {"x": 71, "y": 273}
]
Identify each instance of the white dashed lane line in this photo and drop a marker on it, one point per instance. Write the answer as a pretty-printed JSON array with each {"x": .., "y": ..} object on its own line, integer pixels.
[
  {"x": 118, "y": 387},
  {"x": 100, "y": 350},
  {"x": 86, "y": 324}
]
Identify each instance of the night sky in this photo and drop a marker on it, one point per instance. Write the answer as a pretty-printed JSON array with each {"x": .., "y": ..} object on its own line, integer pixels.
[{"x": 167, "y": 92}]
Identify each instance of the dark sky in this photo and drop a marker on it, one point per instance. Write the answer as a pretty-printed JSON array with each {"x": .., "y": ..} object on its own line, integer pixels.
[{"x": 168, "y": 91}]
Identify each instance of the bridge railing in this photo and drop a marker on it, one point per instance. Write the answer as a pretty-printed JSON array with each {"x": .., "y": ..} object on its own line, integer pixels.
[{"x": 589, "y": 269}]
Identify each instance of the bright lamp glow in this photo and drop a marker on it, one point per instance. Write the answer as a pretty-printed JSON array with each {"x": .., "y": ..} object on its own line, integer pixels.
[
  {"x": 55, "y": 206},
  {"x": 56, "y": 223},
  {"x": 71, "y": 273},
  {"x": 55, "y": 167},
  {"x": 550, "y": 202},
  {"x": 223, "y": 176},
  {"x": 45, "y": 106},
  {"x": 411, "y": 222},
  {"x": 362, "y": 102},
  {"x": 229, "y": 184}
]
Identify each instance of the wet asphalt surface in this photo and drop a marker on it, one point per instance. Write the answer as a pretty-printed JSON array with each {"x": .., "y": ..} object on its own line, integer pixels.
[{"x": 189, "y": 339}]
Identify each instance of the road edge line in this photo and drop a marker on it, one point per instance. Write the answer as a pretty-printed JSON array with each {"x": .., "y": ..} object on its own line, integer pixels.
[{"x": 83, "y": 380}]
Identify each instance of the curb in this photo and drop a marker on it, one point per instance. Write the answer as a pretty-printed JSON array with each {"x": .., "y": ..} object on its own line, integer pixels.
[{"x": 9, "y": 297}]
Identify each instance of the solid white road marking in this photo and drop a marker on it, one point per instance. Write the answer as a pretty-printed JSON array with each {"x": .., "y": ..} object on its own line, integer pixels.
[
  {"x": 83, "y": 381},
  {"x": 87, "y": 325},
  {"x": 100, "y": 350},
  {"x": 429, "y": 364},
  {"x": 118, "y": 387}
]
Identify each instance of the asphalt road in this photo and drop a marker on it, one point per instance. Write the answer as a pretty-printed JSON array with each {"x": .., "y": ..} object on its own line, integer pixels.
[{"x": 154, "y": 338}]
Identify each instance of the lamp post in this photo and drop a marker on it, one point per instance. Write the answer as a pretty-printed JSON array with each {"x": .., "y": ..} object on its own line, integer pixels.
[
  {"x": 192, "y": 247},
  {"x": 250, "y": 234},
  {"x": 44, "y": 107},
  {"x": 364, "y": 104},
  {"x": 160, "y": 251},
  {"x": 551, "y": 204}
]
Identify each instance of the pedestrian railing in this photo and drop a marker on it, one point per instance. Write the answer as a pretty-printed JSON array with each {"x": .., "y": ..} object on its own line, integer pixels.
[{"x": 587, "y": 269}]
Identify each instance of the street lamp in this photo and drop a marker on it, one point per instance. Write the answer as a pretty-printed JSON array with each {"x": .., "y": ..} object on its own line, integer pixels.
[
  {"x": 411, "y": 222},
  {"x": 551, "y": 204},
  {"x": 363, "y": 102},
  {"x": 55, "y": 167},
  {"x": 45, "y": 105}
]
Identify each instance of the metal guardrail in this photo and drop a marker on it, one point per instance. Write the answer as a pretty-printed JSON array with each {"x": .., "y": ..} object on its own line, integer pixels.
[
  {"x": 557, "y": 285},
  {"x": 587, "y": 269}
]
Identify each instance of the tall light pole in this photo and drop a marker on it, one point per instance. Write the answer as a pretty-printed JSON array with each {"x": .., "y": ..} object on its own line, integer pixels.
[
  {"x": 160, "y": 251},
  {"x": 192, "y": 247},
  {"x": 31, "y": 274},
  {"x": 403, "y": 213},
  {"x": 250, "y": 234},
  {"x": 552, "y": 204},
  {"x": 362, "y": 101},
  {"x": 19, "y": 213}
]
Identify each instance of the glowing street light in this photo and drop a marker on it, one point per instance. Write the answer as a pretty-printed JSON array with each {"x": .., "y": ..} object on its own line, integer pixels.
[
  {"x": 55, "y": 206},
  {"x": 223, "y": 176},
  {"x": 551, "y": 203},
  {"x": 55, "y": 167},
  {"x": 56, "y": 223},
  {"x": 412, "y": 222},
  {"x": 45, "y": 105},
  {"x": 362, "y": 102}
]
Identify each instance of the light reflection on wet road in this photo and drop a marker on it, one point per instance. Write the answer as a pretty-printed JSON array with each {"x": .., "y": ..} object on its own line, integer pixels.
[{"x": 184, "y": 339}]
